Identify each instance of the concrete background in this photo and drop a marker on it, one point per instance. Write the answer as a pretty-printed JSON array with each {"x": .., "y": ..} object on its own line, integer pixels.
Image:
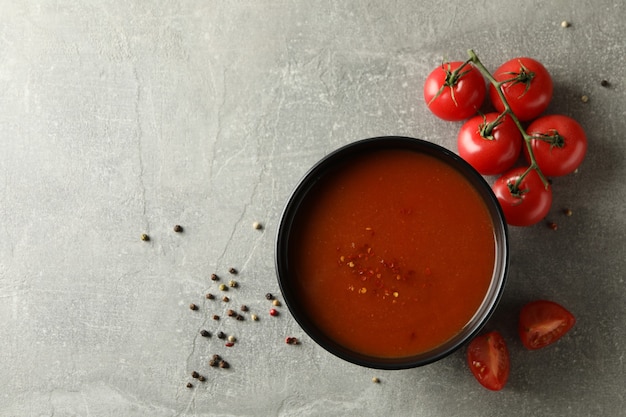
[{"x": 126, "y": 117}]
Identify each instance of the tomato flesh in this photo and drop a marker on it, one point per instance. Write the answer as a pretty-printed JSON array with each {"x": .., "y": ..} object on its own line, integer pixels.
[
  {"x": 488, "y": 359},
  {"x": 543, "y": 322}
]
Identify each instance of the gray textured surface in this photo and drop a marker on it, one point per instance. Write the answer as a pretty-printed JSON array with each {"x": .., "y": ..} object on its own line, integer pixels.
[{"x": 124, "y": 117}]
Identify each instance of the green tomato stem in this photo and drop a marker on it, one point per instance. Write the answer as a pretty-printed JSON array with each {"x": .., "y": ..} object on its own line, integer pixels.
[{"x": 507, "y": 110}]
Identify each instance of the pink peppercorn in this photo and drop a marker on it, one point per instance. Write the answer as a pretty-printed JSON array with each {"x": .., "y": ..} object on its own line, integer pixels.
[{"x": 273, "y": 312}]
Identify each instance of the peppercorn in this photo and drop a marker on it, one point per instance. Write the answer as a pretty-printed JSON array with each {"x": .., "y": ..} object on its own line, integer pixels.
[
  {"x": 213, "y": 363},
  {"x": 232, "y": 339},
  {"x": 257, "y": 225},
  {"x": 269, "y": 296},
  {"x": 192, "y": 306},
  {"x": 178, "y": 228},
  {"x": 216, "y": 317},
  {"x": 214, "y": 277},
  {"x": 145, "y": 237},
  {"x": 273, "y": 312},
  {"x": 201, "y": 378},
  {"x": 567, "y": 212},
  {"x": 230, "y": 313},
  {"x": 254, "y": 317},
  {"x": 375, "y": 380},
  {"x": 584, "y": 98},
  {"x": 244, "y": 308},
  {"x": 239, "y": 317},
  {"x": 232, "y": 283},
  {"x": 224, "y": 364},
  {"x": 232, "y": 271},
  {"x": 225, "y": 299},
  {"x": 209, "y": 296},
  {"x": 605, "y": 83},
  {"x": 291, "y": 340},
  {"x": 189, "y": 385},
  {"x": 216, "y": 357},
  {"x": 194, "y": 374},
  {"x": 553, "y": 226},
  {"x": 205, "y": 333},
  {"x": 565, "y": 24},
  {"x": 221, "y": 335},
  {"x": 276, "y": 303},
  {"x": 229, "y": 344},
  {"x": 223, "y": 287}
]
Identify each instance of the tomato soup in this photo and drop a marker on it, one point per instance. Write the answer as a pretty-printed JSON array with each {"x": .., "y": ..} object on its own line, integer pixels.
[{"x": 392, "y": 253}]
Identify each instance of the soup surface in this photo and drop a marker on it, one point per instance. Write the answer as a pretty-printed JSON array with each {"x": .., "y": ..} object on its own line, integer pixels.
[{"x": 392, "y": 254}]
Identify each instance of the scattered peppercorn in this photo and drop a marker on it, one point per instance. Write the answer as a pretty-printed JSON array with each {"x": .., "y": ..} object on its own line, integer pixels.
[
  {"x": 145, "y": 237},
  {"x": 213, "y": 363},
  {"x": 194, "y": 374},
  {"x": 232, "y": 271},
  {"x": 565, "y": 24},
  {"x": 567, "y": 212},
  {"x": 201, "y": 378},
  {"x": 192, "y": 306},
  {"x": 605, "y": 83},
  {"x": 240, "y": 317},
  {"x": 232, "y": 283},
  {"x": 375, "y": 380},
  {"x": 276, "y": 303},
  {"x": 269, "y": 296},
  {"x": 209, "y": 296},
  {"x": 221, "y": 335},
  {"x": 553, "y": 226},
  {"x": 254, "y": 317},
  {"x": 232, "y": 339},
  {"x": 223, "y": 287},
  {"x": 216, "y": 317},
  {"x": 584, "y": 98},
  {"x": 291, "y": 340},
  {"x": 205, "y": 333},
  {"x": 214, "y": 277},
  {"x": 273, "y": 312},
  {"x": 257, "y": 225},
  {"x": 178, "y": 228},
  {"x": 225, "y": 299},
  {"x": 244, "y": 308},
  {"x": 216, "y": 357},
  {"x": 189, "y": 385},
  {"x": 224, "y": 364},
  {"x": 229, "y": 344},
  {"x": 230, "y": 313}
]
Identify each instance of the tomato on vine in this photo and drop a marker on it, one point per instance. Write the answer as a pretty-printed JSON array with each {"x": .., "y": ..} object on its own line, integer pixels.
[
  {"x": 491, "y": 143},
  {"x": 527, "y": 87},
  {"x": 454, "y": 91},
  {"x": 559, "y": 144},
  {"x": 523, "y": 196}
]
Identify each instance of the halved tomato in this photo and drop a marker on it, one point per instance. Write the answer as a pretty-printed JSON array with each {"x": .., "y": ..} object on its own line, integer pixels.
[
  {"x": 543, "y": 322},
  {"x": 488, "y": 359}
]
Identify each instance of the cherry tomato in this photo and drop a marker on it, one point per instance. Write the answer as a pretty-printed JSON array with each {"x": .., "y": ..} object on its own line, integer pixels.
[
  {"x": 561, "y": 146},
  {"x": 454, "y": 91},
  {"x": 525, "y": 204},
  {"x": 530, "y": 90},
  {"x": 488, "y": 359},
  {"x": 543, "y": 322},
  {"x": 489, "y": 143}
]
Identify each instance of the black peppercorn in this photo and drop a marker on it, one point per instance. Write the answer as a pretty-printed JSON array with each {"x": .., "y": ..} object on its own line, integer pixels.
[
  {"x": 221, "y": 335},
  {"x": 231, "y": 313},
  {"x": 192, "y": 306},
  {"x": 178, "y": 228},
  {"x": 244, "y": 308},
  {"x": 216, "y": 317},
  {"x": 205, "y": 333},
  {"x": 269, "y": 296},
  {"x": 210, "y": 296},
  {"x": 232, "y": 271},
  {"x": 194, "y": 374},
  {"x": 239, "y": 317},
  {"x": 224, "y": 364},
  {"x": 189, "y": 385},
  {"x": 214, "y": 277},
  {"x": 201, "y": 378}
]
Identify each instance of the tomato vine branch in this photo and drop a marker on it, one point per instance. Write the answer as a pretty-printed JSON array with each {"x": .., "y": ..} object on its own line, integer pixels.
[{"x": 498, "y": 85}]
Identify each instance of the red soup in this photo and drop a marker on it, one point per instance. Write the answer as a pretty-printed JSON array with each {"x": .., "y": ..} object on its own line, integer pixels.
[{"x": 392, "y": 254}]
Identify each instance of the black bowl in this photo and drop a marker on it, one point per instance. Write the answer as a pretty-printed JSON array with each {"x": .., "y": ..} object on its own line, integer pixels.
[{"x": 326, "y": 166}]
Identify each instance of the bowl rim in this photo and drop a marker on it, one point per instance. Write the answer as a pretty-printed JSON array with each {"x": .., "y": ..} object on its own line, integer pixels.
[{"x": 325, "y": 165}]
